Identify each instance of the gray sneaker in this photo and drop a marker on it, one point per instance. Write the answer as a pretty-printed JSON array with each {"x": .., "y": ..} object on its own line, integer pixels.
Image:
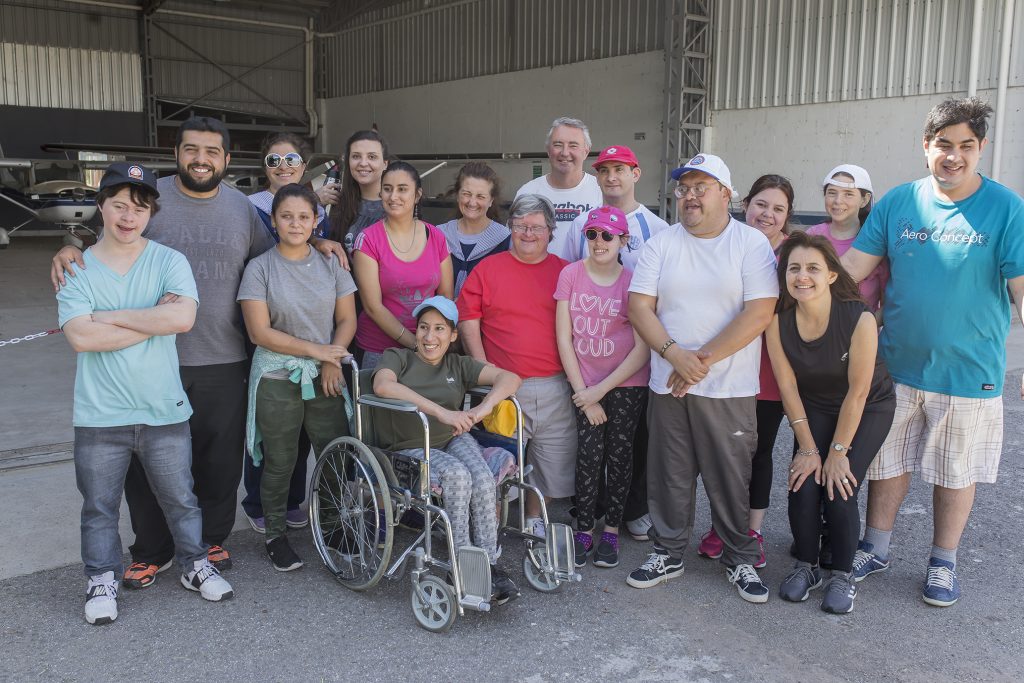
[
  {"x": 839, "y": 594},
  {"x": 801, "y": 581},
  {"x": 101, "y": 599}
]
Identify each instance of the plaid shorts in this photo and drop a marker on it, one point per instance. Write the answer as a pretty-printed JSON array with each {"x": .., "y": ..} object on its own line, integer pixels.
[{"x": 952, "y": 441}]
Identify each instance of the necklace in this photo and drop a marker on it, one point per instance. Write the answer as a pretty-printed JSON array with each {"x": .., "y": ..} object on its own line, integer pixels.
[{"x": 412, "y": 243}]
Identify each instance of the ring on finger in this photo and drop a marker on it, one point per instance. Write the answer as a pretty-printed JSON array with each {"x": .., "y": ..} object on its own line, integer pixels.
[
  {"x": 845, "y": 480},
  {"x": 792, "y": 470}
]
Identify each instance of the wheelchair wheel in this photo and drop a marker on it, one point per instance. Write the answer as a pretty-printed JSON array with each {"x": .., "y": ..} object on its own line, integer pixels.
[
  {"x": 351, "y": 514},
  {"x": 433, "y": 604},
  {"x": 533, "y": 560}
]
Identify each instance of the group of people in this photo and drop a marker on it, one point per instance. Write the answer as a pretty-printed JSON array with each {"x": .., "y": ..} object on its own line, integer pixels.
[{"x": 643, "y": 355}]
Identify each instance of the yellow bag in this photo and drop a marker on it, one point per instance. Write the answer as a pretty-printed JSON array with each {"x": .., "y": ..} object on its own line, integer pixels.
[{"x": 502, "y": 419}]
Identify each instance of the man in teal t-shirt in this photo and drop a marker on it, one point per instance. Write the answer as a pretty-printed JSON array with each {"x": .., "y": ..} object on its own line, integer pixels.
[
  {"x": 955, "y": 241},
  {"x": 121, "y": 315}
]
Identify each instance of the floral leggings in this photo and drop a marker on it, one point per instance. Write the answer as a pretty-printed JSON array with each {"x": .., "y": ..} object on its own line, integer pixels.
[{"x": 606, "y": 450}]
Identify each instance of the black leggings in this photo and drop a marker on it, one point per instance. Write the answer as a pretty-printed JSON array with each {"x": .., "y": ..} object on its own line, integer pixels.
[
  {"x": 842, "y": 516},
  {"x": 606, "y": 451},
  {"x": 769, "y": 417}
]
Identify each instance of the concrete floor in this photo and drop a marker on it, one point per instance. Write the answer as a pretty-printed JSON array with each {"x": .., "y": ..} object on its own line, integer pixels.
[{"x": 304, "y": 626}]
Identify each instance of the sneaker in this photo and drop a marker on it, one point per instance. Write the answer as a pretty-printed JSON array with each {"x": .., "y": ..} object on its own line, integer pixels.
[
  {"x": 747, "y": 582},
  {"x": 659, "y": 567},
  {"x": 582, "y": 543},
  {"x": 141, "y": 575},
  {"x": 711, "y": 545},
  {"x": 535, "y": 526},
  {"x": 607, "y": 553},
  {"x": 101, "y": 599},
  {"x": 258, "y": 524},
  {"x": 503, "y": 588},
  {"x": 207, "y": 581},
  {"x": 296, "y": 519},
  {"x": 801, "y": 581},
  {"x": 282, "y": 556},
  {"x": 219, "y": 557},
  {"x": 839, "y": 594},
  {"x": 640, "y": 528},
  {"x": 761, "y": 559},
  {"x": 941, "y": 588},
  {"x": 866, "y": 562}
]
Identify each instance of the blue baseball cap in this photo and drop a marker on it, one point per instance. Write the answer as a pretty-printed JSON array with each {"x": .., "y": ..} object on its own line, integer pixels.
[
  {"x": 442, "y": 305},
  {"x": 129, "y": 173}
]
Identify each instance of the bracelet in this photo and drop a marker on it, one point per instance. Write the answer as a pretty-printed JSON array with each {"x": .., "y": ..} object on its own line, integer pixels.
[
  {"x": 797, "y": 421},
  {"x": 808, "y": 451},
  {"x": 400, "y": 335},
  {"x": 664, "y": 347}
]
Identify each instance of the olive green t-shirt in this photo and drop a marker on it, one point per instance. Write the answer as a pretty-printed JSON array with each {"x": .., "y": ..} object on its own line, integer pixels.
[{"x": 445, "y": 384}]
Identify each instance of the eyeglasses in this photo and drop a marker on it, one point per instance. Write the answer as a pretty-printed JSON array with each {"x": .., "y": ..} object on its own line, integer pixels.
[
  {"x": 592, "y": 235},
  {"x": 529, "y": 229},
  {"x": 682, "y": 191},
  {"x": 291, "y": 160}
]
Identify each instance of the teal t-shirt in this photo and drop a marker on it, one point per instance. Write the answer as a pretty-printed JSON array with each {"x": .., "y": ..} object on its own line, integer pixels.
[
  {"x": 946, "y": 310},
  {"x": 139, "y": 384}
]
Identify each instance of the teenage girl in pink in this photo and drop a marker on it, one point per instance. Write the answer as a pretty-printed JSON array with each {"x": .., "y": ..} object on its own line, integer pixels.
[{"x": 607, "y": 366}]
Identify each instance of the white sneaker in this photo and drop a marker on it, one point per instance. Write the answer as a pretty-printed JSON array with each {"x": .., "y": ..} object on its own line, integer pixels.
[
  {"x": 535, "y": 526},
  {"x": 207, "y": 581},
  {"x": 640, "y": 527},
  {"x": 101, "y": 599}
]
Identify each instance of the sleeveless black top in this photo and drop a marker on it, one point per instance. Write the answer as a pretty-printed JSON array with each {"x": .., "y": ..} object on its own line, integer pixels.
[{"x": 822, "y": 366}]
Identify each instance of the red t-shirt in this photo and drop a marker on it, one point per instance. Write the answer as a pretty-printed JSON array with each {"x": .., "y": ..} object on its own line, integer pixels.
[{"x": 515, "y": 305}]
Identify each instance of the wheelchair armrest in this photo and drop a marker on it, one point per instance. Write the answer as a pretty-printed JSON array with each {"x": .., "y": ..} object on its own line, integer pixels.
[
  {"x": 387, "y": 403},
  {"x": 480, "y": 391}
]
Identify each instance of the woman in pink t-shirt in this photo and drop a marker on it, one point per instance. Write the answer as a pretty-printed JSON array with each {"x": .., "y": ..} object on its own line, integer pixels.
[
  {"x": 848, "y": 197},
  {"x": 607, "y": 365},
  {"x": 398, "y": 262}
]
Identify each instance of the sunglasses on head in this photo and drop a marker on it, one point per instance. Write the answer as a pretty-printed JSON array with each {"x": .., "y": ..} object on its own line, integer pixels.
[
  {"x": 592, "y": 235},
  {"x": 291, "y": 160}
]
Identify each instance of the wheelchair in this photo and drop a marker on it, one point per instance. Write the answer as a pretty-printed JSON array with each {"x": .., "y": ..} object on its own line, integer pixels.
[{"x": 357, "y": 494}]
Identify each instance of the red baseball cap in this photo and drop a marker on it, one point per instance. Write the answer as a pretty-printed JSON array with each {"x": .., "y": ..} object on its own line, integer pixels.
[
  {"x": 619, "y": 153},
  {"x": 609, "y": 219}
]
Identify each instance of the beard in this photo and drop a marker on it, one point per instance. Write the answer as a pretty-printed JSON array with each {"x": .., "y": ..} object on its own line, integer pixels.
[{"x": 194, "y": 185}]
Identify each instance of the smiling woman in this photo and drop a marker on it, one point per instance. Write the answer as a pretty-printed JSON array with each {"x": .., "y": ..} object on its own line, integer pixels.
[{"x": 284, "y": 162}]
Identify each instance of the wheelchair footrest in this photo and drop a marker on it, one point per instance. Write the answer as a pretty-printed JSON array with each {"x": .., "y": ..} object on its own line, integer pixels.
[
  {"x": 475, "y": 574},
  {"x": 562, "y": 551}
]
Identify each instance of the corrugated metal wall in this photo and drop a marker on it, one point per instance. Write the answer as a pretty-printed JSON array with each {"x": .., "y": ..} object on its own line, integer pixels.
[
  {"x": 787, "y": 52},
  {"x": 413, "y": 43}
]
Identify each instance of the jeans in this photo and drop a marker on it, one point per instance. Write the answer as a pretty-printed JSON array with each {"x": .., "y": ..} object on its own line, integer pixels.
[{"x": 102, "y": 455}]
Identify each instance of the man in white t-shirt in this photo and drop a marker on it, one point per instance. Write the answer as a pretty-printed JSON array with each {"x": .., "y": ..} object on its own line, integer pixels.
[
  {"x": 572, "y": 192},
  {"x": 702, "y": 293}
]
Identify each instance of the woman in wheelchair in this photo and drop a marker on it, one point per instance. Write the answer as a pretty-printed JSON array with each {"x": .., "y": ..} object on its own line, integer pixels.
[{"x": 436, "y": 382}]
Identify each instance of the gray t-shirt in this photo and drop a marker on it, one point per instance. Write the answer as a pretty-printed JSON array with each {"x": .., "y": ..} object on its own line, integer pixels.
[
  {"x": 300, "y": 294},
  {"x": 217, "y": 236}
]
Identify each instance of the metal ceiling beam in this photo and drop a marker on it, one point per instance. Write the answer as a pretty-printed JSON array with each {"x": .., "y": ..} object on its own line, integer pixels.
[{"x": 339, "y": 14}]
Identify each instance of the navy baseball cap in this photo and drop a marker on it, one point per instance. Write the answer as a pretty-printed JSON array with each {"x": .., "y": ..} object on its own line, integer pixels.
[{"x": 129, "y": 173}]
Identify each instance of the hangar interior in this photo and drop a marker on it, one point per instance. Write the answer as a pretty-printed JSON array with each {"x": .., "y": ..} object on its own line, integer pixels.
[{"x": 789, "y": 86}]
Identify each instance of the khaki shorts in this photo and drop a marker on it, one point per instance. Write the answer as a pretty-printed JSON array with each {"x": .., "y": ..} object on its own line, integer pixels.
[
  {"x": 952, "y": 441},
  {"x": 549, "y": 424}
]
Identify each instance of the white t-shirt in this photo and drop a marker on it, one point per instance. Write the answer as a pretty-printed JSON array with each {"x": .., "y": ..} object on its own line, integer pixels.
[
  {"x": 701, "y": 285},
  {"x": 643, "y": 225},
  {"x": 569, "y": 204}
]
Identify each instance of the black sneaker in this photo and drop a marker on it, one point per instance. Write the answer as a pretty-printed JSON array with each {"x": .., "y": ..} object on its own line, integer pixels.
[
  {"x": 282, "y": 556},
  {"x": 583, "y": 544},
  {"x": 747, "y": 582},
  {"x": 659, "y": 566},
  {"x": 503, "y": 588},
  {"x": 607, "y": 552}
]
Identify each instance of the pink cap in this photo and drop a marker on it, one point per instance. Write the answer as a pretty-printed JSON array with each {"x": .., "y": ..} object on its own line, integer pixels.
[
  {"x": 619, "y": 153},
  {"x": 609, "y": 219}
]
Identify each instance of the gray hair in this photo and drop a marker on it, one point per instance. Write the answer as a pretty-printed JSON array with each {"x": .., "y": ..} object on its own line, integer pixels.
[
  {"x": 571, "y": 123},
  {"x": 526, "y": 204}
]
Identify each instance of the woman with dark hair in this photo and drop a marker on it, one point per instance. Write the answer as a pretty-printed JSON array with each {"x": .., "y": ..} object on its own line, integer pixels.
[
  {"x": 848, "y": 196},
  {"x": 838, "y": 395},
  {"x": 299, "y": 310},
  {"x": 284, "y": 162},
  {"x": 476, "y": 231},
  {"x": 362, "y": 165},
  {"x": 768, "y": 207},
  {"x": 398, "y": 261}
]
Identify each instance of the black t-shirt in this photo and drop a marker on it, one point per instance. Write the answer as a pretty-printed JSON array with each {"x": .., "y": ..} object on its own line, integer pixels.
[{"x": 822, "y": 366}]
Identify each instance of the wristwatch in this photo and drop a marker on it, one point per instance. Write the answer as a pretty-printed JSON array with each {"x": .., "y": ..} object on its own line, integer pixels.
[{"x": 839, "y": 448}]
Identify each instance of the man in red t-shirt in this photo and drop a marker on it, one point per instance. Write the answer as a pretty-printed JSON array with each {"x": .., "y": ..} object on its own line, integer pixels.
[{"x": 507, "y": 312}]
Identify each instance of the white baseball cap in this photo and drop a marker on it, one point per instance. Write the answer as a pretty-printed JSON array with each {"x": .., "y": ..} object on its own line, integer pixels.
[
  {"x": 861, "y": 179},
  {"x": 710, "y": 164}
]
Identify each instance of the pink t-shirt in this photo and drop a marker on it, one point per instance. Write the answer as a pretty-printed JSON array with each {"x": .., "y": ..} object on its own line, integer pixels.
[
  {"x": 601, "y": 333},
  {"x": 873, "y": 285},
  {"x": 403, "y": 284}
]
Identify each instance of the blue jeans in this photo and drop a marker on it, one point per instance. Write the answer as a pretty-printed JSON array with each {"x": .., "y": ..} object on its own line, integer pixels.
[{"x": 102, "y": 455}]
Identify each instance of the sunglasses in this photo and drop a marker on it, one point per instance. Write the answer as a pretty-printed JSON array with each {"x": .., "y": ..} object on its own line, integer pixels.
[
  {"x": 592, "y": 235},
  {"x": 291, "y": 160}
]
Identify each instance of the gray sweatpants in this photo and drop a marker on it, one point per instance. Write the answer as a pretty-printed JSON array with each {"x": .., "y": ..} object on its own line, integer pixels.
[{"x": 713, "y": 438}]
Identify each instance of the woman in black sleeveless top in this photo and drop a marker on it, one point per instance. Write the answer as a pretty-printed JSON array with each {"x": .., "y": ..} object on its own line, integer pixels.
[{"x": 840, "y": 402}]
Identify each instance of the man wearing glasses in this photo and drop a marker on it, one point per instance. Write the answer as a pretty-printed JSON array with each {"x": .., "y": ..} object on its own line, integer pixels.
[{"x": 702, "y": 293}]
